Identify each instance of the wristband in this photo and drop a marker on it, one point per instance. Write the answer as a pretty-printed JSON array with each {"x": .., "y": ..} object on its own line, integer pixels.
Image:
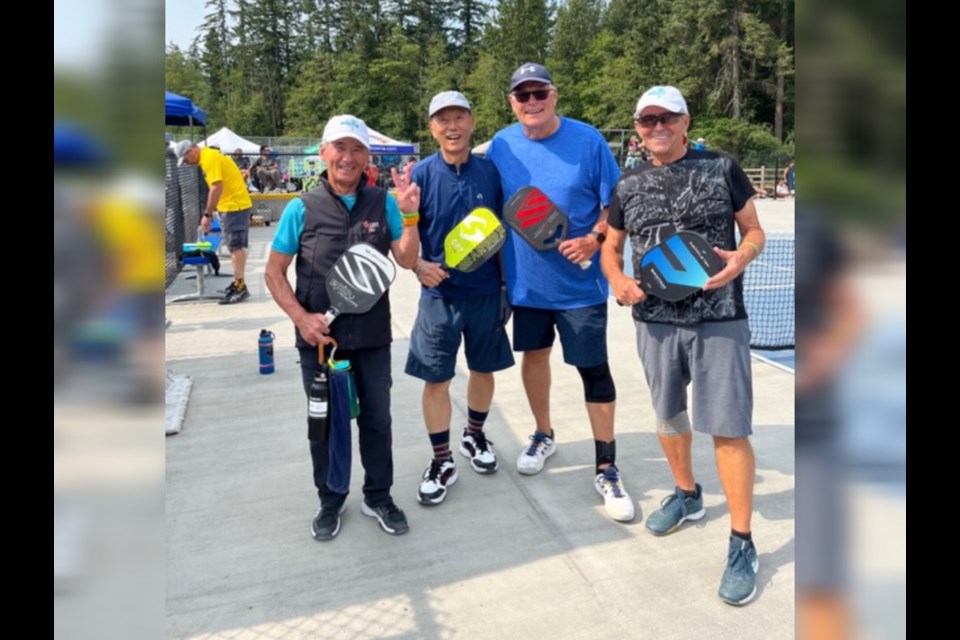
[
  {"x": 752, "y": 245},
  {"x": 411, "y": 221}
]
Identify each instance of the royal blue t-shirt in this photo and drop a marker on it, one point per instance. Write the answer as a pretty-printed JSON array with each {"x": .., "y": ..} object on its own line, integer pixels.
[
  {"x": 575, "y": 168},
  {"x": 447, "y": 195}
]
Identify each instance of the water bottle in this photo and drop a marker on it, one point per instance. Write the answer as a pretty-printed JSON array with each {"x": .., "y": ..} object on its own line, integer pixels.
[
  {"x": 318, "y": 407},
  {"x": 266, "y": 351}
]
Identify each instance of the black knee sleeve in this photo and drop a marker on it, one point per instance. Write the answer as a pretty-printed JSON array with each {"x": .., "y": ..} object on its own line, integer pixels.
[{"x": 597, "y": 383}]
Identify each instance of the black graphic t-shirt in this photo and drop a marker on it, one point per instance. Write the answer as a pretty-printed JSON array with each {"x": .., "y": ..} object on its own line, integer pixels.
[{"x": 701, "y": 192}]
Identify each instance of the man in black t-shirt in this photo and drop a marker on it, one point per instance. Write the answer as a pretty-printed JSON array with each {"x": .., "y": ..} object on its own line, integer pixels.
[{"x": 703, "y": 339}]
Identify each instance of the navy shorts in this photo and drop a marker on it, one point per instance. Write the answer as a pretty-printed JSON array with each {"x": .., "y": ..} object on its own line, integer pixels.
[
  {"x": 436, "y": 337},
  {"x": 583, "y": 332},
  {"x": 236, "y": 229}
]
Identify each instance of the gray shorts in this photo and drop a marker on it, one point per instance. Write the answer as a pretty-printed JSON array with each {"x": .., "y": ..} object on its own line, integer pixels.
[
  {"x": 715, "y": 357},
  {"x": 236, "y": 229}
]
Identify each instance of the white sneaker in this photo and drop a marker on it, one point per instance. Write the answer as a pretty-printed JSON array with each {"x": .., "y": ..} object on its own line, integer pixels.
[
  {"x": 532, "y": 459},
  {"x": 436, "y": 478},
  {"x": 618, "y": 504}
]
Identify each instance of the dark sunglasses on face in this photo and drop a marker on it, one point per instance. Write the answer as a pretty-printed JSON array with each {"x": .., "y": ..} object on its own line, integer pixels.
[
  {"x": 667, "y": 119},
  {"x": 524, "y": 96}
]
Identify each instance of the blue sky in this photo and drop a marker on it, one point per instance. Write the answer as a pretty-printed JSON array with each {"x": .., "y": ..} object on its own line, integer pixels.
[
  {"x": 79, "y": 28},
  {"x": 183, "y": 17}
]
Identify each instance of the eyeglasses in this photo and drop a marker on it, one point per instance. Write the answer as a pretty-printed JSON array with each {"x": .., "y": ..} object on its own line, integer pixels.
[
  {"x": 667, "y": 119},
  {"x": 524, "y": 96}
]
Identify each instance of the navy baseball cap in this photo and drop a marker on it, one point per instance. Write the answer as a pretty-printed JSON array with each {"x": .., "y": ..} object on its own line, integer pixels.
[{"x": 530, "y": 72}]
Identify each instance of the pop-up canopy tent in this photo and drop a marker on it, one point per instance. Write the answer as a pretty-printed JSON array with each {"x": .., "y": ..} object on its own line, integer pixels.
[
  {"x": 379, "y": 144},
  {"x": 181, "y": 112},
  {"x": 228, "y": 142},
  {"x": 73, "y": 145}
]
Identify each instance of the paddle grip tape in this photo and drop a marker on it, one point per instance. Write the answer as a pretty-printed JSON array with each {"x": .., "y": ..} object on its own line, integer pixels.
[
  {"x": 597, "y": 383},
  {"x": 675, "y": 426}
]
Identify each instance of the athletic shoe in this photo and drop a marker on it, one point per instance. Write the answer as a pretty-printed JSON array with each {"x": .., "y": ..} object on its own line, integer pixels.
[
  {"x": 234, "y": 295},
  {"x": 618, "y": 504},
  {"x": 437, "y": 478},
  {"x": 482, "y": 456},
  {"x": 739, "y": 583},
  {"x": 326, "y": 524},
  {"x": 541, "y": 447},
  {"x": 391, "y": 518},
  {"x": 674, "y": 510}
]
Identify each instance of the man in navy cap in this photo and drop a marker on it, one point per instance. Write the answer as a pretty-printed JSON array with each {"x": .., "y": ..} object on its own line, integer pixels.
[
  {"x": 453, "y": 182},
  {"x": 572, "y": 164}
]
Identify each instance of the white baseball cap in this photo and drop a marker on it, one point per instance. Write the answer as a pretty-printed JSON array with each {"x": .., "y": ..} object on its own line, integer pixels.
[
  {"x": 180, "y": 150},
  {"x": 664, "y": 96},
  {"x": 346, "y": 126},
  {"x": 448, "y": 99}
]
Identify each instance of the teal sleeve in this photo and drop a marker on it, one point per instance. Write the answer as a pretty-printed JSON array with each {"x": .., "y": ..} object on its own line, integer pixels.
[
  {"x": 287, "y": 238},
  {"x": 394, "y": 217}
]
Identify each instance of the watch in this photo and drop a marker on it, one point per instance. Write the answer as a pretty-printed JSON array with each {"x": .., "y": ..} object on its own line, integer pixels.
[{"x": 600, "y": 236}]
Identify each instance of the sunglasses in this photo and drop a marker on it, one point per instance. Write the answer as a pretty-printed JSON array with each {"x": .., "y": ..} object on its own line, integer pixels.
[
  {"x": 666, "y": 119},
  {"x": 524, "y": 96}
]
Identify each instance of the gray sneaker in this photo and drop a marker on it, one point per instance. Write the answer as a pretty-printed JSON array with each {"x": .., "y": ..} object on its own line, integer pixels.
[
  {"x": 739, "y": 583},
  {"x": 674, "y": 511}
]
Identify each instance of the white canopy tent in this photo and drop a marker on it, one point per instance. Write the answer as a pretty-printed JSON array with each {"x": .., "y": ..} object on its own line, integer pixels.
[{"x": 228, "y": 142}]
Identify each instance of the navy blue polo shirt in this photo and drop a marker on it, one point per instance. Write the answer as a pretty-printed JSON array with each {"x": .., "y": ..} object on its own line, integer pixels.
[{"x": 446, "y": 197}]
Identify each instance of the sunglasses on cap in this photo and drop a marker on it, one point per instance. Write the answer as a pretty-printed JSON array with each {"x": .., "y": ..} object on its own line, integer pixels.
[
  {"x": 667, "y": 119},
  {"x": 524, "y": 96}
]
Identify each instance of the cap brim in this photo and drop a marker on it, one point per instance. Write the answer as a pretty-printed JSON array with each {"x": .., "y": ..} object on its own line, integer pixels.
[
  {"x": 352, "y": 137},
  {"x": 180, "y": 160},
  {"x": 449, "y": 106},
  {"x": 540, "y": 80}
]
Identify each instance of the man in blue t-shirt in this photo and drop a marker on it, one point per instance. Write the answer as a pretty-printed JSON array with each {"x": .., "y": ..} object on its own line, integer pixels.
[
  {"x": 703, "y": 339},
  {"x": 571, "y": 163},
  {"x": 452, "y": 183}
]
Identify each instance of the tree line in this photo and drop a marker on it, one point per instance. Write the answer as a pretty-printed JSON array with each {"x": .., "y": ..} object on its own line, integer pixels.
[{"x": 282, "y": 67}]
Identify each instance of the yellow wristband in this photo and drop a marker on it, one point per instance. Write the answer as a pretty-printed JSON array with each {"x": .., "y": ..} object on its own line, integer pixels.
[{"x": 752, "y": 245}]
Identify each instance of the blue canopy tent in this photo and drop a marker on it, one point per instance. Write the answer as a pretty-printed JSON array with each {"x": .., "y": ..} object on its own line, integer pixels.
[
  {"x": 75, "y": 146},
  {"x": 181, "y": 112}
]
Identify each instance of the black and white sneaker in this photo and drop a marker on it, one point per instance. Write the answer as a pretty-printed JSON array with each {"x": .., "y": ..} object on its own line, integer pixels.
[
  {"x": 482, "y": 456},
  {"x": 235, "y": 295},
  {"x": 326, "y": 524},
  {"x": 436, "y": 479},
  {"x": 391, "y": 518}
]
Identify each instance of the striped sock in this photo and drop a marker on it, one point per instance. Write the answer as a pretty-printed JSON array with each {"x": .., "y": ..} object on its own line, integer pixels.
[
  {"x": 475, "y": 420},
  {"x": 441, "y": 445}
]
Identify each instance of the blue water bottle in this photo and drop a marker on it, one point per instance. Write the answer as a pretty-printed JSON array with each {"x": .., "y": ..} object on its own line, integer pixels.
[{"x": 266, "y": 351}]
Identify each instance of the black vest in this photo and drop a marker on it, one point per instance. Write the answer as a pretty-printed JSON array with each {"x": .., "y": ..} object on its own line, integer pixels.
[{"x": 328, "y": 230}]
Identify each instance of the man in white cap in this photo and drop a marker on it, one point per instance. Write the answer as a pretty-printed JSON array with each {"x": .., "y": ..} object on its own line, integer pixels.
[
  {"x": 703, "y": 339},
  {"x": 572, "y": 164},
  {"x": 317, "y": 229},
  {"x": 229, "y": 196},
  {"x": 453, "y": 182}
]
